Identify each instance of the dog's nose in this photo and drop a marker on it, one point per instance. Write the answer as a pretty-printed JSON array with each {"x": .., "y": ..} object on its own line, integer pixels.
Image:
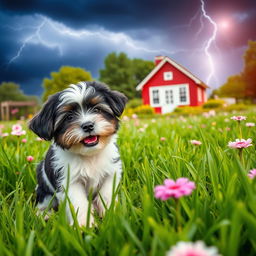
[{"x": 88, "y": 126}]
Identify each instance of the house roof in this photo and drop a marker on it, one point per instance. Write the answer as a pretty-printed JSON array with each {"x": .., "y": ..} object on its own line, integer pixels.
[{"x": 179, "y": 67}]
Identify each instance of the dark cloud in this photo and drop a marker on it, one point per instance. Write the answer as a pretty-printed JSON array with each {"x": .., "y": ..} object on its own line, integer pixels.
[{"x": 140, "y": 28}]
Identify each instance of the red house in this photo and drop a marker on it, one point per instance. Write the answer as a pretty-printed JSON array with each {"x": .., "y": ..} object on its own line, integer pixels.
[{"x": 170, "y": 85}]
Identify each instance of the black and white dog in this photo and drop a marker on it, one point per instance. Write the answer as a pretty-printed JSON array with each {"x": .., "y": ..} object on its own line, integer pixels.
[{"x": 82, "y": 120}]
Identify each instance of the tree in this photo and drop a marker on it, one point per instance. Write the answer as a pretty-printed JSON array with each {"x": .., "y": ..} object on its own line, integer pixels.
[
  {"x": 140, "y": 69},
  {"x": 11, "y": 91},
  {"x": 234, "y": 87},
  {"x": 62, "y": 79},
  {"x": 249, "y": 72},
  {"x": 123, "y": 74}
]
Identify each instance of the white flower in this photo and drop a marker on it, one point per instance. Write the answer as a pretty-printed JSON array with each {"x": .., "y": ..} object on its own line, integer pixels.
[
  {"x": 250, "y": 124},
  {"x": 196, "y": 249}
]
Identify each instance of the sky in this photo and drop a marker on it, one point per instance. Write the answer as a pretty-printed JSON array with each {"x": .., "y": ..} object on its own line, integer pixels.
[{"x": 208, "y": 37}]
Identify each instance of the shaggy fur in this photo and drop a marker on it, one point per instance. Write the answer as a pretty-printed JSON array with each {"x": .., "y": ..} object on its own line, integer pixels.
[{"x": 82, "y": 121}]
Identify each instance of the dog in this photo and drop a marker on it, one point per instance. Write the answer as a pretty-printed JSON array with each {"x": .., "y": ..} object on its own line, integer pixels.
[{"x": 82, "y": 121}]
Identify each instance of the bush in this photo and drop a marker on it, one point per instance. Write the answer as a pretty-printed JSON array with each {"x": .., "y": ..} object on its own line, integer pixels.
[
  {"x": 128, "y": 112},
  {"x": 237, "y": 107},
  {"x": 144, "y": 110},
  {"x": 189, "y": 110},
  {"x": 214, "y": 104},
  {"x": 134, "y": 103}
]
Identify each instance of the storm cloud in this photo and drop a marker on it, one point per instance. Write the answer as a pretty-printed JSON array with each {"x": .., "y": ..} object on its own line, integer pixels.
[{"x": 38, "y": 37}]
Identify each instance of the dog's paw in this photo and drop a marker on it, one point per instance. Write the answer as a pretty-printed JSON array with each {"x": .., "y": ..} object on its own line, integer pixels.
[
  {"x": 99, "y": 206},
  {"x": 82, "y": 221}
]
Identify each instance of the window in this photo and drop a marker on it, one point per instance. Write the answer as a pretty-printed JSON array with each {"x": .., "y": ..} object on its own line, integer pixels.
[
  {"x": 169, "y": 97},
  {"x": 168, "y": 75},
  {"x": 199, "y": 93},
  {"x": 155, "y": 96},
  {"x": 183, "y": 94}
]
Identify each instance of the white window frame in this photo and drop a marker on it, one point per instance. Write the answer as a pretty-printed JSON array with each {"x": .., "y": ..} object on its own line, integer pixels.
[
  {"x": 204, "y": 96},
  {"x": 176, "y": 94},
  {"x": 168, "y": 76},
  {"x": 169, "y": 96},
  {"x": 152, "y": 97},
  {"x": 199, "y": 94}
]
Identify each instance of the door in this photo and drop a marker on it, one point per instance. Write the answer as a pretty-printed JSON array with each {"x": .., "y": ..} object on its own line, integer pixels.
[{"x": 168, "y": 105}]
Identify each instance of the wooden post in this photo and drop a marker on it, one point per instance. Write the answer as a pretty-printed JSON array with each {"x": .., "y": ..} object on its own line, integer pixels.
[
  {"x": 2, "y": 112},
  {"x": 7, "y": 112}
]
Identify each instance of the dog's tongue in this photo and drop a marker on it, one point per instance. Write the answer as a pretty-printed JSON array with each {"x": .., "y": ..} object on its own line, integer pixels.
[{"x": 90, "y": 139}]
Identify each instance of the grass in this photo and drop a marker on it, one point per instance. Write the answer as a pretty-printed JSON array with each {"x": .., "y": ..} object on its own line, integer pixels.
[{"x": 221, "y": 211}]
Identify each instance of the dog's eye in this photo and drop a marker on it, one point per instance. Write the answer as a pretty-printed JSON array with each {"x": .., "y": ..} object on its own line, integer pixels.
[
  {"x": 97, "y": 110},
  {"x": 69, "y": 117}
]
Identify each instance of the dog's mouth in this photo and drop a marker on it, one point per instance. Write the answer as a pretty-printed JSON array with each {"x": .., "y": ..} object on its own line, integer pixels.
[{"x": 91, "y": 140}]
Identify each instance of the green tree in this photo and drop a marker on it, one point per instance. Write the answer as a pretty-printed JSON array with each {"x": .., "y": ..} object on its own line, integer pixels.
[
  {"x": 62, "y": 79},
  {"x": 140, "y": 69},
  {"x": 11, "y": 91},
  {"x": 234, "y": 87},
  {"x": 249, "y": 72},
  {"x": 123, "y": 74}
]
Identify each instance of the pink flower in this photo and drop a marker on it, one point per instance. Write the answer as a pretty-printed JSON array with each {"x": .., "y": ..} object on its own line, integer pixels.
[
  {"x": 17, "y": 130},
  {"x": 137, "y": 122},
  {"x": 250, "y": 124},
  {"x": 182, "y": 187},
  {"x": 212, "y": 113},
  {"x": 252, "y": 173},
  {"x": 192, "y": 249},
  {"x": 206, "y": 114},
  {"x": 134, "y": 116},
  {"x": 228, "y": 129},
  {"x": 1, "y": 126},
  {"x": 240, "y": 143},
  {"x": 196, "y": 142},
  {"x": 238, "y": 118},
  {"x": 141, "y": 129},
  {"x": 190, "y": 126},
  {"x": 30, "y": 158},
  {"x": 18, "y": 133},
  {"x": 163, "y": 139},
  {"x": 5, "y": 134},
  {"x": 126, "y": 118},
  {"x": 17, "y": 127},
  {"x": 24, "y": 140},
  {"x": 14, "y": 111}
]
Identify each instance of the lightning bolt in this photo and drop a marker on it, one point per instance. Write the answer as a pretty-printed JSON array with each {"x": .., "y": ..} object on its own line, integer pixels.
[
  {"x": 61, "y": 29},
  {"x": 30, "y": 38},
  {"x": 36, "y": 37},
  {"x": 201, "y": 27},
  {"x": 209, "y": 41},
  {"x": 39, "y": 36},
  {"x": 114, "y": 37}
]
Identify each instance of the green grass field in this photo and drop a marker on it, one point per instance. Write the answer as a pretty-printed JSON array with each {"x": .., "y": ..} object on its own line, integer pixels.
[{"x": 221, "y": 211}]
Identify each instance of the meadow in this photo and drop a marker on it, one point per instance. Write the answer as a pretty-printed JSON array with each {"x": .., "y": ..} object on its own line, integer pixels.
[{"x": 221, "y": 210}]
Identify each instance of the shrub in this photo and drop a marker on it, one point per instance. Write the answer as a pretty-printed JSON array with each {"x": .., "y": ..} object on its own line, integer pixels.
[
  {"x": 134, "y": 103},
  {"x": 128, "y": 112},
  {"x": 237, "y": 107},
  {"x": 144, "y": 110},
  {"x": 189, "y": 110},
  {"x": 214, "y": 104}
]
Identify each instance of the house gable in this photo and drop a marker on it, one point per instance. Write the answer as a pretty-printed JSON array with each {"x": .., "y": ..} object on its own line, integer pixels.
[{"x": 173, "y": 67}]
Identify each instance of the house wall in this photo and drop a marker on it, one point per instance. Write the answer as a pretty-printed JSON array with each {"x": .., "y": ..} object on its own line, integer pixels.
[{"x": 178, "y": 78}]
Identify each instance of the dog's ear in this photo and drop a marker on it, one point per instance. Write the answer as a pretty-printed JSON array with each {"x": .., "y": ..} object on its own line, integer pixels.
[
  {"x": 117, "y": 101},
  {"x": 42, "y": 123}
]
